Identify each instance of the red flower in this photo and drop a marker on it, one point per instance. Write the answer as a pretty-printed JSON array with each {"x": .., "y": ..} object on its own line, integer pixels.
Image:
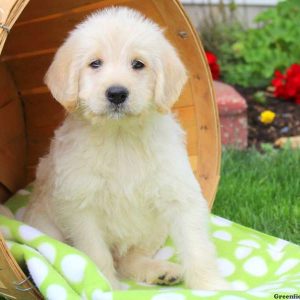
[
  {"x": 287, "y": 86},
  {"x": 213, "y": 64}
]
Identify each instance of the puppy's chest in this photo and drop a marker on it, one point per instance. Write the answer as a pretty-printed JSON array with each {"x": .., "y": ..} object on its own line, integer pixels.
[
  {"x": 124, "y": 190},
  {"x": 114, "y": 168},
  {"x": 122, "y": 164}
]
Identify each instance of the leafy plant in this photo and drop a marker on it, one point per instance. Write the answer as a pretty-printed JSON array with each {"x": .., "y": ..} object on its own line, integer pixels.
[
  {"x": 220, "y": 30},
  {"x": 260, "y": 97},
  {"x": 258, "y": 52}
]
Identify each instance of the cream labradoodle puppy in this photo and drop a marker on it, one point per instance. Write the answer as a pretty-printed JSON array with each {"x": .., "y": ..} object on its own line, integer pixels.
[{"x": 117, "y": 180}]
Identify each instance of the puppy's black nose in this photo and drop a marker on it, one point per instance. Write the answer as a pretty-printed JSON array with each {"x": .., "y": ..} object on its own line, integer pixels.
[{"x": 117, "y": 94}]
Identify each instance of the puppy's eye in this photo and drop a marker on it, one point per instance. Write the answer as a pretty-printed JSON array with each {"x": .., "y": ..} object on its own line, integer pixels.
[
  {"x": 96, "y": 64},
  {"x": 137, "y": 65}
]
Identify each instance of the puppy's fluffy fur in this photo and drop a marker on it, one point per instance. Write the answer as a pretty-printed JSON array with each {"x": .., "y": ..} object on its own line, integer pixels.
[{"x": 117, "y": 180}]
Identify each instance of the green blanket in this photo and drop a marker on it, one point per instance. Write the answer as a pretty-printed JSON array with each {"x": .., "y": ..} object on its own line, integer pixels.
[{"x": 257, "y": 265}]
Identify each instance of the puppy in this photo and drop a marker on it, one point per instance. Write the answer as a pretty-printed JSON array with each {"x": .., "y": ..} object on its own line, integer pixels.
[{"x": 117, "y": 180}]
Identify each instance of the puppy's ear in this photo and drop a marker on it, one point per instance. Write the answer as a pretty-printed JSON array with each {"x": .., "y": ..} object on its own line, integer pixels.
[
  {"x": 63, "y": 75},
  {"x": 170, "y": 78}
]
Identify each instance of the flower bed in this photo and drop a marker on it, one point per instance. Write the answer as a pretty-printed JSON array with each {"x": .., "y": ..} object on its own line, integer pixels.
[{"x": 285, "y": 124}]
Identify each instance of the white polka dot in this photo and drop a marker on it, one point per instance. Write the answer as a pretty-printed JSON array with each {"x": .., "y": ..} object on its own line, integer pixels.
[
  {"x": 226, "y": 267},
  {"x": 84, "y": 296},
  {"x": 231, "y": 297},
  {"x": 220, "y": 221},
  {"x": 169, "y": 296},
  {"x": 249, "y": 243},
  {"x": 239, "y": 285},
  {"x": 29, "y": 233},
  {"x": 242, "y": 252},
  {"x": 275, "y": 254},
  {"x": 204, "y": 293},
  {"x": 38, "y": 270},
  {"x": 48, "y": 251},
  {"x": 256, "y": 266},
  {"x": 280, "y": 244},
  {"x": 20, "y": 213},
  {"x": 222, "y": 235},
  {"x": 165, "y": 253},
  {"x": 73, "y": 267},
  {"x": 99, "y": 295},
  {"x": 107, "y": 296},
  {"x": 23, "y": 192},
  {"x": 5, "y": 232},
  {"x": 56, "y": 292},
  {"x": 287, "y": 265}
]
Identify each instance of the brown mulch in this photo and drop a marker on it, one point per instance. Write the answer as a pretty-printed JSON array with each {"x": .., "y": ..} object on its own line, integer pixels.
[{"x": 286, "y": 123}]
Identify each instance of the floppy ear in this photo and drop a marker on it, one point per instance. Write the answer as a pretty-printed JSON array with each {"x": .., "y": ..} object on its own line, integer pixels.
[
  {"x": 63, "y": 75},
  {"x": 171, "y": 77}
]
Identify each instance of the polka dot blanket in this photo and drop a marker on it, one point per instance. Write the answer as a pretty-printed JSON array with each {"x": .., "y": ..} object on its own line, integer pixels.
[{"x": 257, "y": 265}]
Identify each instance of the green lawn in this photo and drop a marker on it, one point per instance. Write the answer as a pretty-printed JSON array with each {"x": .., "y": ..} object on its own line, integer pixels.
[{"x": 262, "y": 191}]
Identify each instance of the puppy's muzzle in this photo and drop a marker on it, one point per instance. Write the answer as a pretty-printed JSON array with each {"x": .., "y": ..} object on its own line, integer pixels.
[{"x": 117, "y": 94}]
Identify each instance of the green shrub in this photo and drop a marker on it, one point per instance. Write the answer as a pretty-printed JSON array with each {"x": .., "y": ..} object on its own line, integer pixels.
[
  {"x": 220, "y": 30},
  {"x": 257, "y": 53}
]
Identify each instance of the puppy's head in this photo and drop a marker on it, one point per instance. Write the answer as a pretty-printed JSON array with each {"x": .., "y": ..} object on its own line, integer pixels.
[{"x": 116, "y": 63}]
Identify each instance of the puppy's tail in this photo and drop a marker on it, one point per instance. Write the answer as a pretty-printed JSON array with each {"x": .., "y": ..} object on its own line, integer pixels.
[{"x": 5, "y": 211}]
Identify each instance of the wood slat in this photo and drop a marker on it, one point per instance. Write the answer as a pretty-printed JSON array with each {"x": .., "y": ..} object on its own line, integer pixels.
[
  {"x": 7, "y": 87},
  {"x": 35, "y": 10},
  {"x": 12, "y": 134},
  {"x": 36, "y": 65},
  {"x": 52, "y": 9},
  {"x": 42, "y": 110},
  {"x": 4, "y": 193}
]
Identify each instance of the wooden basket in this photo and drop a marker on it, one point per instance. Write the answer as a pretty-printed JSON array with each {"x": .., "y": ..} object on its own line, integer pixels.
[{"x": 25, "y": 132}]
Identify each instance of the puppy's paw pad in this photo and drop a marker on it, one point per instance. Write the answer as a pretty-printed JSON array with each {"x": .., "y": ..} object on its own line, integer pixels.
[
  {"x": 167, "y": 279},
  {"x": 169, "y": 274}
]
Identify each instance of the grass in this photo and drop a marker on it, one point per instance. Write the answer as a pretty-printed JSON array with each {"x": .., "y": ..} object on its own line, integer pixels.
[{"x": 262, "y": 191}]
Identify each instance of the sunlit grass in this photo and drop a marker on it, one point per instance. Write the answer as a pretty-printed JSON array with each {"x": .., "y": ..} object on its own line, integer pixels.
[{"x": 262, "y": 191}]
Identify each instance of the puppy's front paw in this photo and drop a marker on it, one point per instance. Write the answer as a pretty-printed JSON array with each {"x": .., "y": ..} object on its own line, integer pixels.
[
  {"x": 169, "y": 274},
  {"x": 163, "y": 273}
]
